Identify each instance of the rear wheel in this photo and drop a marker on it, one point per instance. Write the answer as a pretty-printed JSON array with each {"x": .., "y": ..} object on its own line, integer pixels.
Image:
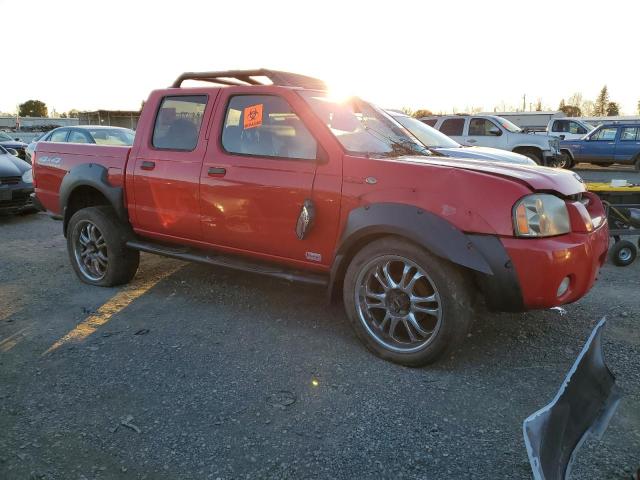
[
  {"x": 532, "y": 154},
  {"x": 405, "y": 304},
  {"x": 96, "y": 243},
  {"x": 623, "y": 253}
]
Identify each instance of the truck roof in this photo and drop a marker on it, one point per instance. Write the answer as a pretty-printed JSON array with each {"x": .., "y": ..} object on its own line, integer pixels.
[{"x": 253, "y": 77}]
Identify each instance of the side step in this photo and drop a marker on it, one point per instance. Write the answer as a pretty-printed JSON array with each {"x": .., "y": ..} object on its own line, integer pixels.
[{"x": 227, "y": 261}]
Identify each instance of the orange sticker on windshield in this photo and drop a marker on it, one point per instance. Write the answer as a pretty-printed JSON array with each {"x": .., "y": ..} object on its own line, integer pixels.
[{"x": 253, "y": 116}]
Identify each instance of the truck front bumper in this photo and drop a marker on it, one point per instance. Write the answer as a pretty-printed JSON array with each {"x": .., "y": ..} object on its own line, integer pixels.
[
  {"x": 528, "y": 272},
  {"x": 543, "y": 264}
]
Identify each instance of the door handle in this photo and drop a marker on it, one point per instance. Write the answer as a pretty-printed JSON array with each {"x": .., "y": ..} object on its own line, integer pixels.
[
  {"x": 147, "y": 165},
  {"x": 472, "y": 140},
  {"x": 216, "y": 171}
]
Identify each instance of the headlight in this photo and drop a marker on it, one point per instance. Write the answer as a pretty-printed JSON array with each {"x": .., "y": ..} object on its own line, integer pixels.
[
  {"x": 27, "y": 177},
  {"x": 540, "y": 215}
]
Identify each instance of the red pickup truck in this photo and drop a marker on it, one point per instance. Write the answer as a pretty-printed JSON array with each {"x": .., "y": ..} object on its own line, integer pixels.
[{"x": 263, "y": 171}]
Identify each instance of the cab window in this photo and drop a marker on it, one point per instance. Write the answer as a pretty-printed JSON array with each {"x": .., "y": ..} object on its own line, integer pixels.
[
  {"x": 629, "y": 134},
  {"x": 452, "y": 126},
  {"x": 266, "y": 126},
  {"x": 481, "y": 126},
  {"x": 606, "y": 134},
  {"x": 178, "y": 122},
  {"x": 431, "y": 122},
  {"x": 576, "y": 128}
]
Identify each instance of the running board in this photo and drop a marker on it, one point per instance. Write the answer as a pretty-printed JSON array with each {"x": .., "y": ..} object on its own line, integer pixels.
[{"x": 226, "y": 261}]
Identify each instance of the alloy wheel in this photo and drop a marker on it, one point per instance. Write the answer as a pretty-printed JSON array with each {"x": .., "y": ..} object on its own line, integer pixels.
[
  {"x": 398, "y": 303},
  {"x": 90, "y": 250}
]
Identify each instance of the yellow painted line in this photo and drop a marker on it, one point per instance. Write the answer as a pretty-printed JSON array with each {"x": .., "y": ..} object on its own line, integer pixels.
[{"x": 116, "y": 304}]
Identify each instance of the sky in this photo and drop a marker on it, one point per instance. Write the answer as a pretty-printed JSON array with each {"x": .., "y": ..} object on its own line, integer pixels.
[{"x": 443, "y": 56}]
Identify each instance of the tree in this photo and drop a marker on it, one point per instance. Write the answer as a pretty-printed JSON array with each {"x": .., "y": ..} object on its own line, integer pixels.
[
  {"x": 33, "y": 108},
  {"x": 73, "y": 113},
  {"x": 602, "y": 103},
  {"x": 570, "y": 110},
  {"x": 588, "y": 108},
  {"x": 539, "y": 105},
  {"x": 422, "y": 112},
  {"x": 576, "y": 100},
  {"x": 638, "y": 107},
  {"x": 613, "y": 109}
]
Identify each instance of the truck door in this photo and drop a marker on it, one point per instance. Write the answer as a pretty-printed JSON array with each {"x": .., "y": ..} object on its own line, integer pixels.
[
  {"x": 454, "y": 128},
  {"x": 257, "y": 177},
  {"x": 628, "y": 144},
  {"x": 167, "y": 166},
  {"x": 601, "y": 146},
  {"x": 483, "y": 132}
]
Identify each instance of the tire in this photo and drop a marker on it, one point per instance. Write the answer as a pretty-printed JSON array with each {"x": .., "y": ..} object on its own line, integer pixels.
[
  {"x": 96, "y": 234},
  {"x": 444, "y": 316},
  {"x": 535, "y": 156},
  {"x": 623, "y": 253},
  {"x": 565, "y": 161}
]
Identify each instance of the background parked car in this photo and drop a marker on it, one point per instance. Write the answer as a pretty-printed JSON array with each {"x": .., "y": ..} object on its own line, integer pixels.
[
  {"x": 496, "y": 132},
  {"x": 16, "y": 183},
  {"x": 8, "y": 142},
  {"x": 84, "y": 134},
  {"x": 438, "y": 142},
  {"x": 607, "y": 144}
]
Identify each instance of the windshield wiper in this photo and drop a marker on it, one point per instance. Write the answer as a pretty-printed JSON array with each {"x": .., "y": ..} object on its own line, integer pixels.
[{"x": 400, "y": 147}]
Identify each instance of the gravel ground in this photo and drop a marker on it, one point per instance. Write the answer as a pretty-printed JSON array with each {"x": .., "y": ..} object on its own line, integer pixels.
[{"x": 218, "y": 374}]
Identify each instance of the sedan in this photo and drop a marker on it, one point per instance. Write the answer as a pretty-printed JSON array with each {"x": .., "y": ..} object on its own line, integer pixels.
[
  {"x": 7, "y": 142},
  {"x": 85, "y": 134},
  {"x": 16, "y": 184},
  {"x": 438, "y": 142}
]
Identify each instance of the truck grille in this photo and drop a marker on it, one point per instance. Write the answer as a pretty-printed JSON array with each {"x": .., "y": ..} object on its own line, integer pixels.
[{"x": 10, "y": 180}]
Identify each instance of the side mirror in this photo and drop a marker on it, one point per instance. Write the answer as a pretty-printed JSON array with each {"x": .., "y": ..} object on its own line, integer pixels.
[
  {"x": 562, "y": 137},
  {"x": 495, "y": 131},
  {"x": 17, "y": 139}
]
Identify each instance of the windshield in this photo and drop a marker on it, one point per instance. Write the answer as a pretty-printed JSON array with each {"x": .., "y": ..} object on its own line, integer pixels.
[
  {"x": 112, "y": 136},
  {"x": 507, "y": 125},
  {"x": 5, "y": 138},
  {"x": 362, "y": 128},
  {"x": 427, "y": 135}
]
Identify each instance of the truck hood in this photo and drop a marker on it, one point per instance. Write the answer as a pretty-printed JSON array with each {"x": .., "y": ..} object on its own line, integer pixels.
[{"x": 537, "y": 178}]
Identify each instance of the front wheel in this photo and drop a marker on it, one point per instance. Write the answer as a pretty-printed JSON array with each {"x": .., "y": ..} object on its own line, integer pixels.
[
  {"x": 96, "y": 243},
  {"x": 405, "y": 304}
]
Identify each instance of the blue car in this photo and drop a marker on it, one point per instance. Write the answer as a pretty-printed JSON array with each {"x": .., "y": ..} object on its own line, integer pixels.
[
  {"x": 439, "y": 143},
  {"x": 7, "y": 142},
  {"x": 607, "y": 144}
]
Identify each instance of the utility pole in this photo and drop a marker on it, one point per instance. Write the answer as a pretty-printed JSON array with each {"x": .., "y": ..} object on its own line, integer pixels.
[{"x": 524, "y": 102}]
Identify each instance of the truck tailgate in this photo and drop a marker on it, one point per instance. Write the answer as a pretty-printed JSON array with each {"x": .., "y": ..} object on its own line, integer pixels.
[{"x": 52, "y": 161}]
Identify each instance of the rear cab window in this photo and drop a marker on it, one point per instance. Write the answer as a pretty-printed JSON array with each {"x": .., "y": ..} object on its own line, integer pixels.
[
  {"x": 266, "y": 126},
  {"x": 605, "y": 134},
  {"x": 178, "y": 122},
  {"x": 430, "y": 121},
  {"x": 630, "y": 134},
  {"x": 452, "y": 126}
]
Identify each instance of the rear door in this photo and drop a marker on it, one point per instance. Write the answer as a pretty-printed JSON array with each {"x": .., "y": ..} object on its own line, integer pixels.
[
  {"x": 454, "y": 128},
  {"x": 628, "y": 144},
  {"x": 256, "y": 180},
  {"x": 167, "y": 167}
]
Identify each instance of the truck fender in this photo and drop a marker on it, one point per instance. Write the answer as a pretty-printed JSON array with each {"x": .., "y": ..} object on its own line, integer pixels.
[
  {"x": 424, "y": 228},
  {"x": 94, "y": 176}
]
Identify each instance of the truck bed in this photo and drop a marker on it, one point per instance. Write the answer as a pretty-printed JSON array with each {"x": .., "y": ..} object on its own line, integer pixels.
[{"x": 53, "y": 161}]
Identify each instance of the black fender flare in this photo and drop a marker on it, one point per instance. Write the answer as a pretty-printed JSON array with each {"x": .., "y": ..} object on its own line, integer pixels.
[
  {"x": 95, "y": 176},
  {"x": 424, "y": 228}
]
